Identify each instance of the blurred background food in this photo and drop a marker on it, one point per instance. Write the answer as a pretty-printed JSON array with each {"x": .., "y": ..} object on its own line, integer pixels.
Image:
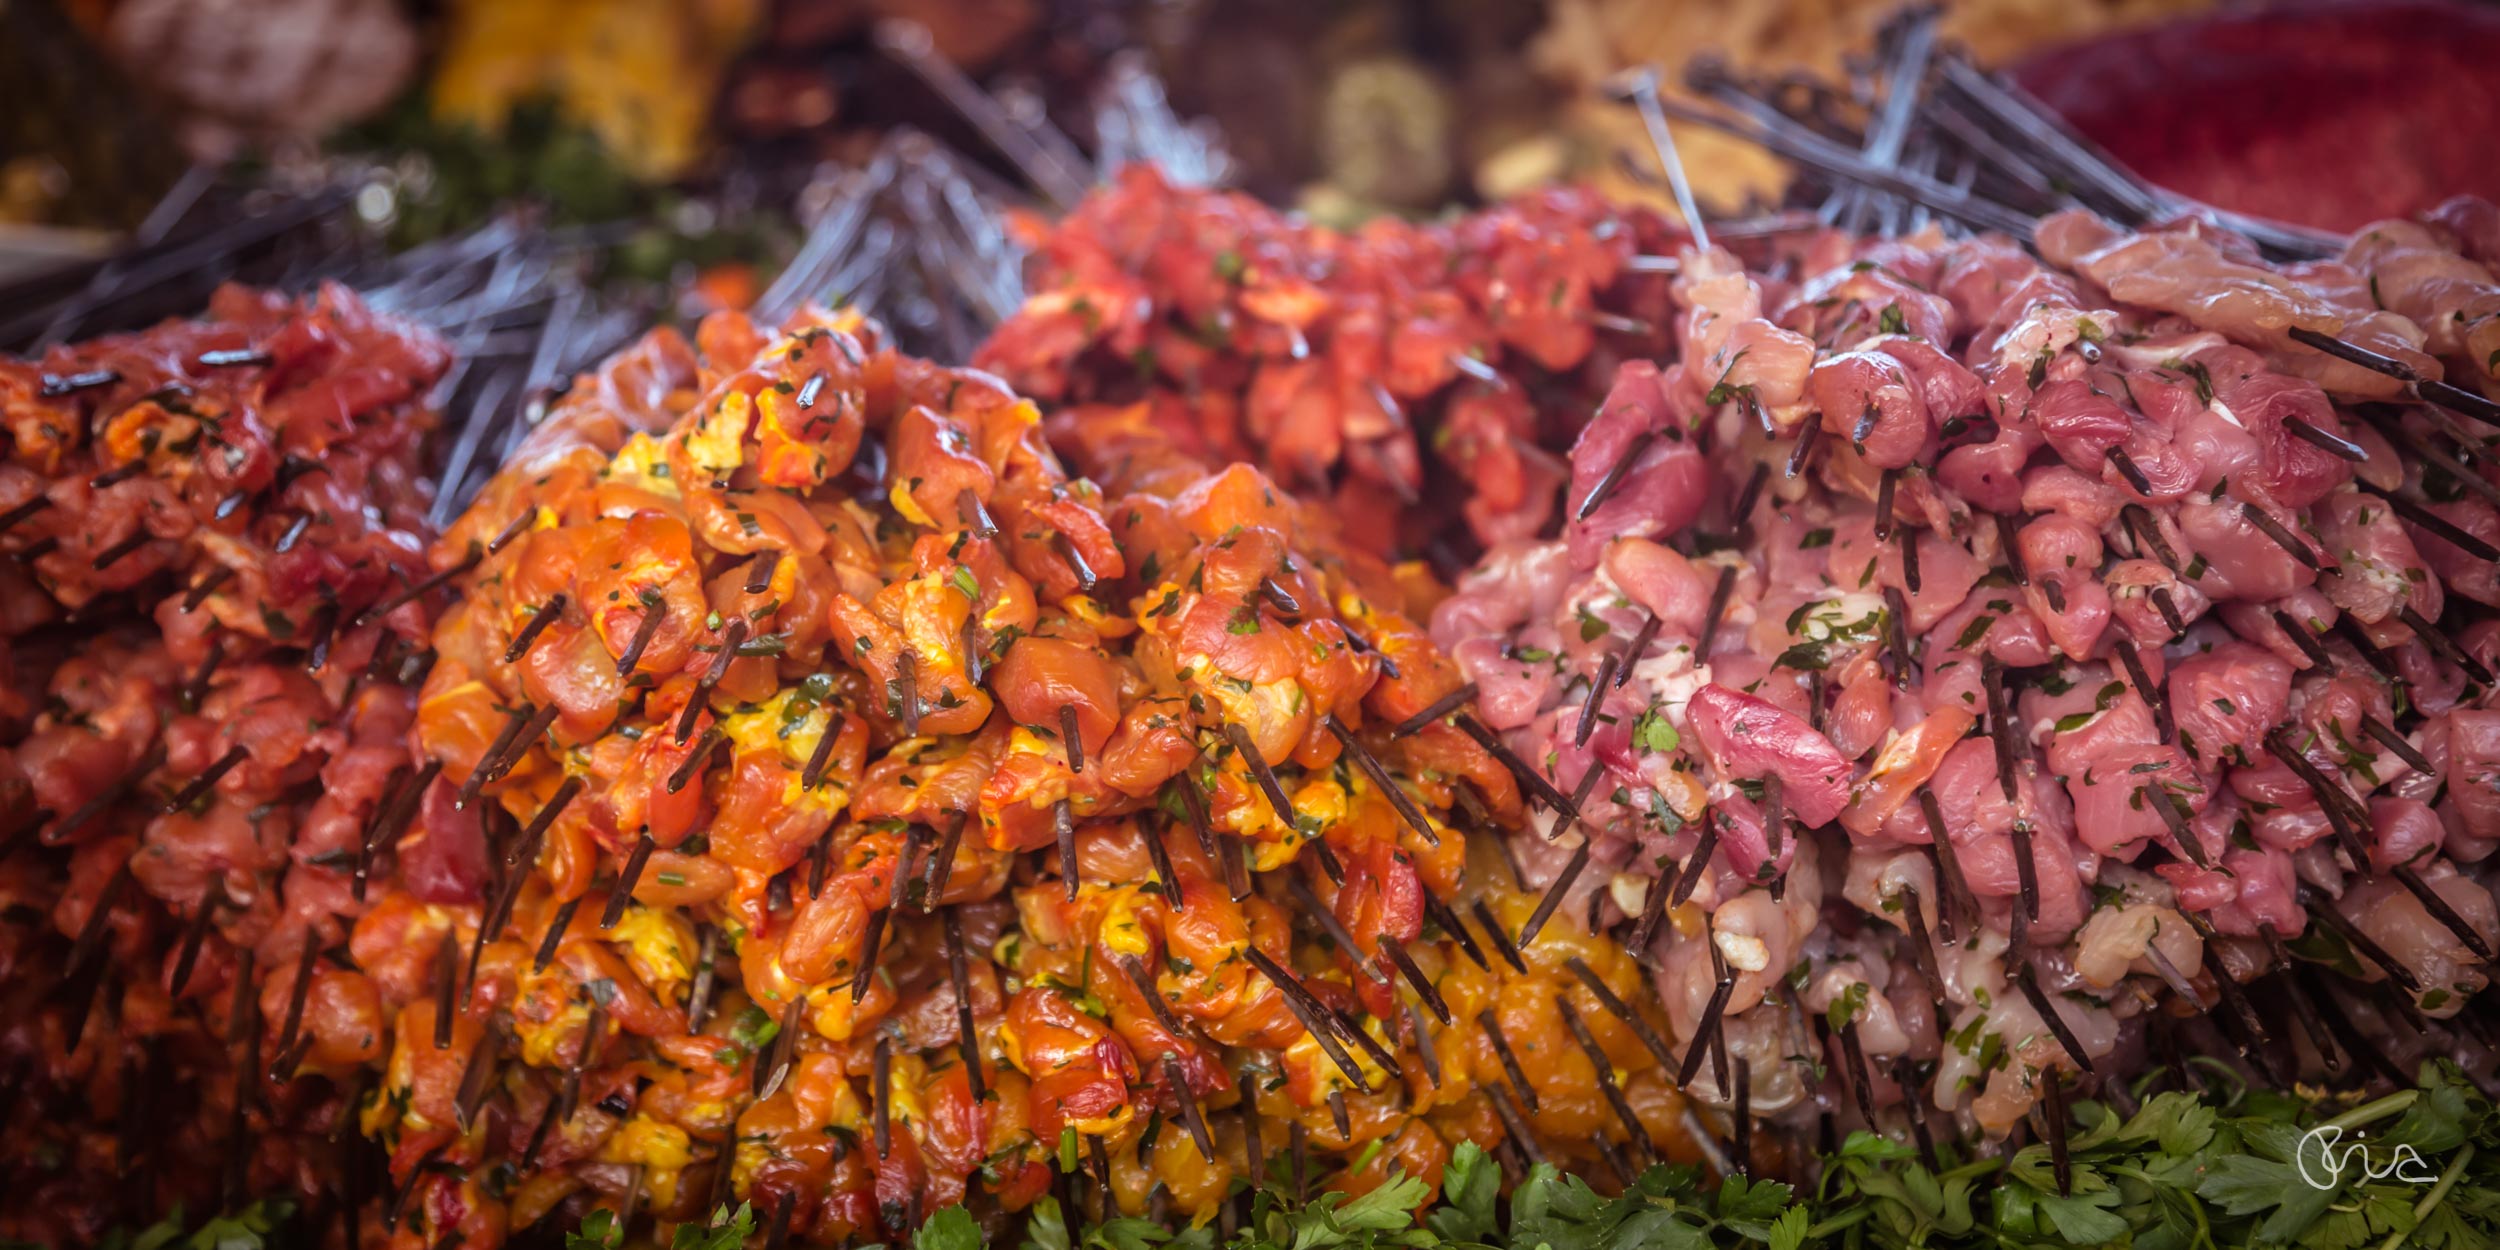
[{"x": 707, "y": 122}]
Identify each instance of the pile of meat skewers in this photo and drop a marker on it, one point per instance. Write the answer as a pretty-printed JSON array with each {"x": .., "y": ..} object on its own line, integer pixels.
[
  {"x": 208, "y": 641},
  {"x": 2057, "y": 617},
  {"x": 1481, "y": 341},
  {"x": 863, "y": 816}
]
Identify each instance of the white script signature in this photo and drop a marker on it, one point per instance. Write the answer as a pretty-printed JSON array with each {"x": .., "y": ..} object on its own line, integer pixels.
[{"x": 2322, "y": 1145}]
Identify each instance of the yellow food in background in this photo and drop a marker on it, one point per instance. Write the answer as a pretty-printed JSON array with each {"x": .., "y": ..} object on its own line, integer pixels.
[{"x": 639, "y": 74}]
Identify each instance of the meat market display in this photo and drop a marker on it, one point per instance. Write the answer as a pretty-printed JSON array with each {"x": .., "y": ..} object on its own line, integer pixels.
[{"x": 1553, "y": 727}]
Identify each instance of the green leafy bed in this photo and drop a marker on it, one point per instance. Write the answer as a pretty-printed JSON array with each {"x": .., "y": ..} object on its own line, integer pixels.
[{"x": 2219, "y": 1171}]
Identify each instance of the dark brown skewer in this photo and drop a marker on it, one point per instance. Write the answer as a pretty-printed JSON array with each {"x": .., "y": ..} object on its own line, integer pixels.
[
  {"x": 546, "y": 614},
  {"x": 654, "y": 615},
  {"x": 1621, "y": 1010},
  {"x": 1909, "y": 558},
  {"x": 1313, "y": 1014},
  {"x": 199, "y": 786},
  {"x": 2387, "y": 422},
  {"x": 1326, "y": 918},
  {"x": 2444, "y": 646},
  {"x": 1922, "y": 949},
  {"x": 203, "y": 588},
  {"x": 1424, "y": 989},
  {"x": 1907, "y": 1078},
  {"x": 1606, "y": 1083},
  {"x": 2030, "y": 986},
  {"x": 2126, "y": 466},
  {"x": 626, "y": 878},
  {"x": 1382, "y": 781},
  {"x": 1711, "y": 1016},
  {"x": 1337, "y": 1114},
  {"x": 958, "y": 977},
  {"x": 870, "y": 945},
  {"x": 477, "y": 1076},
  {"x": 2008, "y": 529},
  {"x": 2342, "y": 811},
  {"x": 2155, "y": 697},
  {"x": 2350, "y": 628},
  {"x": 1529, "y": 778},
  {"x": 1596, "y": 698},
  {"x": 554, "y": 937},
  {"x": 1492, "y": 1027},
  {"x": 2169, "y": 609},
  {"x": 194, "y": 934},
  {"x": 2441, "y": 911},
  {"x": 822, "y": 756},
  {"x": 1071, "y": 739},
  {"x": 1809, "y": 437},
  {"x": 2385, "y": 735},
  {"x": 2283, "y": 537},
  {"x": 1282, "y": 598},
  {"x": 2306, "y": 640},
  {"x": 1440, "y": 707},
  {"x": 1063, "y": 824},
  {"x": 1896, "y": 645},
  {"x": 2439, "y": 526},
  {"x": 1741, "y": 1150},
  {"x": 525, "y": 848},
  {"x": 2053, "y": 1112},
  {"x": 36, "y": 550},
  {"x": 2445, "y": 394},
  {"x": 118, "y": 474},
  {"x": 1647, "y": 634},
  {"x": 733, "y": 635},
  {"x": 1254, "y": 1154},
  {"x": 1506, "y": 1106},
  {"x": 1239, "y": 736},
  {"x": 2175, "y": 817},
  {"x": 419, "y": 589},
  {"x": 2026, "y": 871},
  {"x": 1454, "y": 928},
  {"x": 2327, "y": 441},
  {"x": 446, "y": 987},
  {"x": 113, "y": 555},
  {"x": 1861, "y": 1079},
  {"x": 1694, "y": 866},
  {"x": 1423, "y": 1044},
  {"x": 1144, "y": 982},
  {"x": 2001, "y": 730},
  {"x": 696, "y": 759},
  {"x": 2146, "y": 531},
  {"x": 1740, "y": 517},
  {"x": 699, "y": 990},
  {"x": 760, "y": 571},
  {"x": 1076, "y": 564},
  {"x": 1615, "y": 473},
  {"x": 1191, "y": 1118},
  {"x": 1570, "y": 875},
  {"x": 500, "y": 760},
  {"x": 111, "y": 796},
  {"x": 1952, "y": 892},
  {"x": 1719, "y": 593},
  {"x": 881, "y": 1094},
  {"x": 1493, "y": 933},
  {"x": 769, "y": 1075},
  {"x": 975, "y": 517},
  {"x": 10, "y": 519}
]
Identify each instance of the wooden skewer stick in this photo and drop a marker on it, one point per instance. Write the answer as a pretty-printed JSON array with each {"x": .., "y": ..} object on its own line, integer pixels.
[
  {"x": 546, "y": 614},
  {"x": 1440, "y": 707},
  {"x": 1382, "y": 780}
]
